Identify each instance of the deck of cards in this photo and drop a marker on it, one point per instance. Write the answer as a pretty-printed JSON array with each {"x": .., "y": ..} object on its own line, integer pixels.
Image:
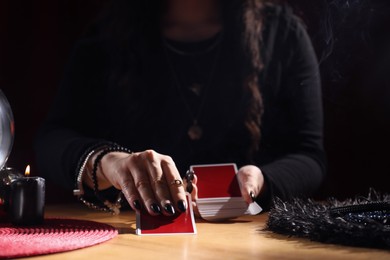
[
  {"x": 219, "y": 195},
  {"x": 219, "y": 198}
]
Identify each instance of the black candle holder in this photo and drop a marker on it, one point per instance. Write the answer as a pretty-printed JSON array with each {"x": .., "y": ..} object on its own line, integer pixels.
[
  {"x": 23, "y": 197},
  {"x": 7, "y": 176}
]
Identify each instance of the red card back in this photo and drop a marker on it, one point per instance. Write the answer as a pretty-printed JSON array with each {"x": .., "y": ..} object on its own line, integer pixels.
[
  {"x": 180, "y": 223},
  {"x": 217, "y": 180}
]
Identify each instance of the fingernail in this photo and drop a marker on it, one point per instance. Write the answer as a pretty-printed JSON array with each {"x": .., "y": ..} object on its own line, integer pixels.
[
  {"x": 189, "y": 187},
  {"x": 189, "y": 175},
  {"x": 168, "y": 208},
  {"x": 137, "y": 204},
  {"x": 252, "y": 196},
  {"x": 182, "y": 205},
  {"x": 155, "y": 208}
]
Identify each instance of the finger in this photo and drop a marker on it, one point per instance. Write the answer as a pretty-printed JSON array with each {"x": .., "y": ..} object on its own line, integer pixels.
[
  {"x": 195, "y": 180},
  {"x": 188, "y": 181},
  {"x": 175, "y": 182},
  {"x": 130, "y": 192},
  {"x": 196, "y": 210},
  {"x": 253, "y": 196},
  {"x": 188, "y": 186},
  {"x": 194, "y": 194},
  {"x": 143, "y": 185},
  {"x": 194, "y": 189},
  {"x": 247, "y": 195},
  {"x": 158, "y": 181},
  {"x": 248, "y": 190}
]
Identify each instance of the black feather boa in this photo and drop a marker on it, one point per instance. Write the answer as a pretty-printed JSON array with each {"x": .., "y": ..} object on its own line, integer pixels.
[{"x": 362, "y": 221}]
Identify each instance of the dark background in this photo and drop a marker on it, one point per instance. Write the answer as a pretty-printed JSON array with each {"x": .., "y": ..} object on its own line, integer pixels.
[{"x": 351, "y": 38}]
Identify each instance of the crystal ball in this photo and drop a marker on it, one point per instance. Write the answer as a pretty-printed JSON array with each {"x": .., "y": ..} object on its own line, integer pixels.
[{"x": 7, "y": 129}]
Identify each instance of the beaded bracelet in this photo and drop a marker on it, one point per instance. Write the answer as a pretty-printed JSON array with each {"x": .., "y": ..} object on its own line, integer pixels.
[
  {"x": 108, "y": 206},
  {"x": 80, "y": 171},
  {"x": 78, "y": 190}
]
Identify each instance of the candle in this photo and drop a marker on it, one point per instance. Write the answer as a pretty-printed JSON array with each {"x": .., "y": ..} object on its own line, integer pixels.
[{"x": 27, "y": 200}]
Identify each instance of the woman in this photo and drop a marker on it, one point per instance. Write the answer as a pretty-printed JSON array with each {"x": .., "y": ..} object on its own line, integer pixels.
[{"x": 185, "y": 82}]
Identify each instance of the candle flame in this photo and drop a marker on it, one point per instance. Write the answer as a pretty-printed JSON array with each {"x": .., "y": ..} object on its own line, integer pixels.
[{"x": 27, "y": 171}]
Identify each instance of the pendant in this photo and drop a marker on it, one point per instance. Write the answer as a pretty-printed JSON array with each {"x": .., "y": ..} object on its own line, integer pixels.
[
  {"x": 195, "y": 131},
  {"x": 196, "y": 88}
]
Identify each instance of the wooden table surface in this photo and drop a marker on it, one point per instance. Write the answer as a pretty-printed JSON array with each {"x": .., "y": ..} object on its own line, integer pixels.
[{"x": 241, "y": 238}]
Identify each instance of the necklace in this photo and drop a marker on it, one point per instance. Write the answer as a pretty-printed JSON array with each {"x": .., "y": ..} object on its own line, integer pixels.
[
  {"x": 211, "y": 47},
  {"x": 195, "y": 131}
]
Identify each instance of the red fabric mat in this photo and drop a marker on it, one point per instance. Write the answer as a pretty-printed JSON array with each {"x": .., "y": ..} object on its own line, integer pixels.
[{"x": 55, "y": 235}]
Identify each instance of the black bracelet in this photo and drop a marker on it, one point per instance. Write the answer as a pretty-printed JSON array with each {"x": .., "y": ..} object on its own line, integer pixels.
[
  {"x": 86, "y": 154},
  {"x": 106, "y": 205},
  {"x": 105, "y": 151}
]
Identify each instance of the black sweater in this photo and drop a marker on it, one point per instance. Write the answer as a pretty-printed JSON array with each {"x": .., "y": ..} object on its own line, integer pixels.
[{"x": 92, "y": 106}]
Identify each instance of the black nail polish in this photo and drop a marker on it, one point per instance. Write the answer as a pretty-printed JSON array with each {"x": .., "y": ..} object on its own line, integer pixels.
[
  {"x": 155, "y": 208},
  {"x": 189, "y": 175},
  {"x": 137, "y": 204},
  {"x": 190, "y": 188},
  {"x": 182, "y": 205},
  {"x": 168, "y": 208},
  {"x": 252, "y": 196}
]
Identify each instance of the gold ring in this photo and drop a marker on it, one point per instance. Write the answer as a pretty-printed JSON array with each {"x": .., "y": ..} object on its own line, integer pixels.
[{"x": 177, "y": 182}]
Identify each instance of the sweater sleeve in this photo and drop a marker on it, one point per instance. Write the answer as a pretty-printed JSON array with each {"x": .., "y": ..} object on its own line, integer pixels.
[
  {"x": 295, "y": 165},
  {"x": 67, "y": 132}
]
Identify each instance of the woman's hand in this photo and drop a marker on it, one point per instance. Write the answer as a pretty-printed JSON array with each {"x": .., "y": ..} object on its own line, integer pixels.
[
  {"x": 147, "y": 179},
  {"x": 251, "y": 180}
]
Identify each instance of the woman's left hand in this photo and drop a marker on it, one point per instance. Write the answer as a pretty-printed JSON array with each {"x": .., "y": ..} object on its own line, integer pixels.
[{"x": 251, "y": 180}]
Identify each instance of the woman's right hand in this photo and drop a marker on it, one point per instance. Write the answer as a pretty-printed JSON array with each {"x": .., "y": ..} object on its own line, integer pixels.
[{"x": 147, "y": 179}]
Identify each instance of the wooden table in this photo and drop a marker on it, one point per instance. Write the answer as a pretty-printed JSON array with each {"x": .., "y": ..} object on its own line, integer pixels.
[{"x": 242, "y": 238}]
